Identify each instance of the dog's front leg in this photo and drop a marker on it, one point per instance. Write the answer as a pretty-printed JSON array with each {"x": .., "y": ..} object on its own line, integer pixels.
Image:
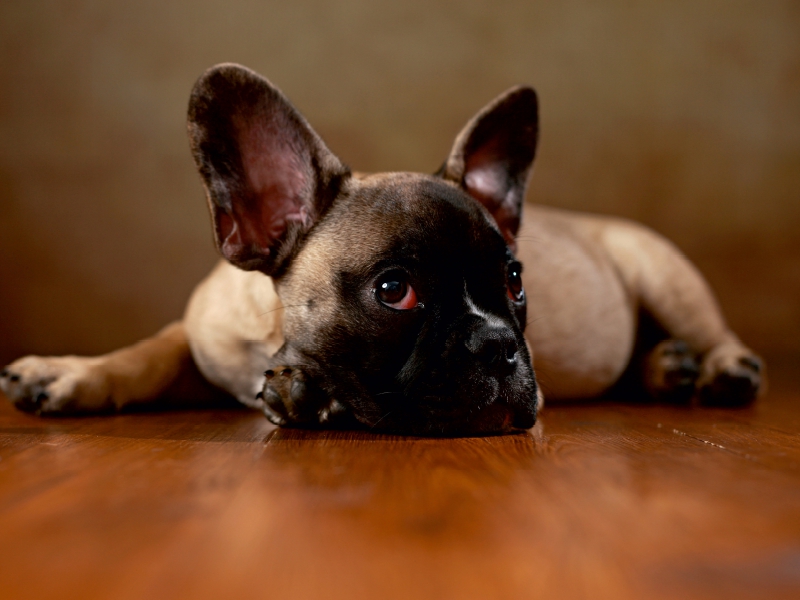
[
  {"x": 138, "y": 374},
  {"x": 292, "y": 398}
]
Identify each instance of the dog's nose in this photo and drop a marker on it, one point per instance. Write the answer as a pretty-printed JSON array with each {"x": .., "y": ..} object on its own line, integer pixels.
[{"x": 496, "y": 347}]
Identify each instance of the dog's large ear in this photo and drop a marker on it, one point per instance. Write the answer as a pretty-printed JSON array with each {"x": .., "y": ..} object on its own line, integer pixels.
[
  {"x": 492, "y": 156},
  {"x": 268, "y": 176}
]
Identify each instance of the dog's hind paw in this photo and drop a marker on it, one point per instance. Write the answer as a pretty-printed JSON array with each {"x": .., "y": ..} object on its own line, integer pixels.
[
  {"x": 670, "y": 371},
  {"x": 56, "y": 385},
  {"x": 730, "y": 375},
  {"x": 292, "y": 399}
]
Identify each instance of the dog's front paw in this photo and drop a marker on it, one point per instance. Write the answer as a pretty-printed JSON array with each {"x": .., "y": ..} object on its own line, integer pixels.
[
  {"x": 730, "y": 375},
  {"x": 56, "y": 385},
  {"x": 291, "y": 398}
]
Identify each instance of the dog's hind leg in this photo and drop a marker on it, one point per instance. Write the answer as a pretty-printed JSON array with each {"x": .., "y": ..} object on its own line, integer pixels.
[
  {"x": 671, "y": 290},
  {"x": 143, "y": 374}
]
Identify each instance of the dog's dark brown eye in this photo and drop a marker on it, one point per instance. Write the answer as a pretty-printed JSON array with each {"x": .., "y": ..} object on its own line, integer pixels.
[
  {"x": 394, "y": 291},
  {"x": 514, "y": 282}
]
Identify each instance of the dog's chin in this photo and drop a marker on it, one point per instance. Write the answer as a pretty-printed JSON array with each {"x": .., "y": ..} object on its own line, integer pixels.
[{"x": 494, "y": 419}]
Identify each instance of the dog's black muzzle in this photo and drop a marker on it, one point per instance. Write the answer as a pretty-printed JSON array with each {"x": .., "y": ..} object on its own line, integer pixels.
[{"x": 482, "y": 382}]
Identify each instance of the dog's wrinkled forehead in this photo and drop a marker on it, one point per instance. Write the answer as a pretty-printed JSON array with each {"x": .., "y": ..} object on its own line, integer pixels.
[{"x": 404, "y": 213}]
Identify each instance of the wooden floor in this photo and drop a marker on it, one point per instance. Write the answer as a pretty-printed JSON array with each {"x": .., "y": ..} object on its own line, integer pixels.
[{"x": 597, "y": 501}]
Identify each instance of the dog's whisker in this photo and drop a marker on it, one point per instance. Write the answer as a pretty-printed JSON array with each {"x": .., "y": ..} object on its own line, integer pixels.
[
  {"x": 375, "y": 424},
  {"x": 530, "y": 238},
  {"x": 278, "y": 308}
]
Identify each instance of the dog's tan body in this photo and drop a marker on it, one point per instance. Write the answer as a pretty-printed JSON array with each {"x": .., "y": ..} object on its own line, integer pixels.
[
  {"x": 586, "y": 278},
  {"x": 583, "y": 328}
]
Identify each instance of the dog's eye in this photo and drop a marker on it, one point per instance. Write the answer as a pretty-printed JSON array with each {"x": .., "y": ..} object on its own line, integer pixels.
[
  {"x": 394, "y": 291},
  {"x": 514, "y": 282}
]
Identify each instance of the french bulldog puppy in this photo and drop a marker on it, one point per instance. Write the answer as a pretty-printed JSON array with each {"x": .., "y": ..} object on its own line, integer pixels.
[{"x": 398, "y": 301}]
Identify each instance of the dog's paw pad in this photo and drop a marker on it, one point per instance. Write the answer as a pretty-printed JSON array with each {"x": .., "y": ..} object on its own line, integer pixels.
[
  {"x": 732, "y": 378},
  {"x": 734, "y": 386},
  {"x": 670, "y": 371}
]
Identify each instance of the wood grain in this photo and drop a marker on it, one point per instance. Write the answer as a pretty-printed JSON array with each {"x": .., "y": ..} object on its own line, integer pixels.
[{"x": 612, "y": 500}]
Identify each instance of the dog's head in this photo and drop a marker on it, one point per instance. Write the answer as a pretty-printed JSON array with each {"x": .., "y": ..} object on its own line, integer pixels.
[{"x": 403, "y": 300}]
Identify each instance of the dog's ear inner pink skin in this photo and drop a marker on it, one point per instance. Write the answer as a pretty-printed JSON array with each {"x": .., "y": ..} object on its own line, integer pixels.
[
  {"x": 492, "y": 157},
  {"x": 268, "y": 175}
]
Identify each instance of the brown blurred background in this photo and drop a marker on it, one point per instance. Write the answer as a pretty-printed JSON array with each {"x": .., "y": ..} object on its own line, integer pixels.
[{"x": 684, "y": 114}]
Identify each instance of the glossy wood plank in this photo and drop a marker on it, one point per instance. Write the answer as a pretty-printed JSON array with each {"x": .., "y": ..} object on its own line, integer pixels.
[{"x": 604, "y": 500}]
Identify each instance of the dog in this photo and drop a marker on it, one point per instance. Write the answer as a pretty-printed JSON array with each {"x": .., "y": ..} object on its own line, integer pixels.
[{"x": 398, "y": 301}]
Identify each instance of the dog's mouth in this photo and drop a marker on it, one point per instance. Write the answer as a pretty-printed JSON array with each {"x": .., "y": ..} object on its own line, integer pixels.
[
  {"x": 439, "y": 404},
  {"x": 440, "y": 417}
]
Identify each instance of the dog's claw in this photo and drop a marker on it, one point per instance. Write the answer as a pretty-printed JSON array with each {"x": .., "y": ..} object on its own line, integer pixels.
[
  {"x": 273, "y": 418},
  {"x": 751, "y": 362}
]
